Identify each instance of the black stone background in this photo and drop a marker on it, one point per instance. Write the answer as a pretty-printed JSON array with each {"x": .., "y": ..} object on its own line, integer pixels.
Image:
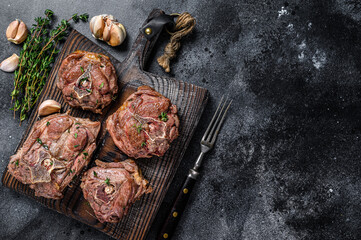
[{"x": 287, "y": 161}]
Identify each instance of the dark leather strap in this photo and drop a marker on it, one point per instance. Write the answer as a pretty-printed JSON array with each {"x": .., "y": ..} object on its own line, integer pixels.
[{"x": 156, "y": 25}]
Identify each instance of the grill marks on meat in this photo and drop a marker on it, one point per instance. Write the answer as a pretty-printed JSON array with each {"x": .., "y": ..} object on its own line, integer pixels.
[
  {"x": 57, "y": 149},
  {"x": 110, "y": 188},
  {"x": 87, "y": 80},
  {"x": 145, "y": 124}
]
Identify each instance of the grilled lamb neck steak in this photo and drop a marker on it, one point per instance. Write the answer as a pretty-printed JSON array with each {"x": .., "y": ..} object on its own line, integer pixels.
[
  {"x": 87, "y": 80},
  {"x": 56, "y": 150},
  {"x": 145, "y": 124},
  {"x": 110, "y": 188}
]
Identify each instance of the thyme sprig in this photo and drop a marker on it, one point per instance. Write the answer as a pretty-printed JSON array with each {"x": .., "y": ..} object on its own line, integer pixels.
[{"x": 36, "y": 59}]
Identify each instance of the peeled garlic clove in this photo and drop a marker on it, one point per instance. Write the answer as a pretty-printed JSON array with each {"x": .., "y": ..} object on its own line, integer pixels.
[
  {"x": 117, "y": 34},
  {"x": 16, "y": 31},
  {"x": 10, "y": 64},
  {"x": 48, "y": 107},
  {"x": 97, "y": 26}
]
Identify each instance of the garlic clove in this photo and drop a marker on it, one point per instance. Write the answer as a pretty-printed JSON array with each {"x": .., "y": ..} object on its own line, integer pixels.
[
  {"x": 10, "y": 64},
  {"x": 12, "y": 29},
  {"x": 97, "y": 26},
  {"x": 22, "y": 33},
  {"x": 17, "y": 31},
  {"x": 48, "y": 107},
  {"x": 106, "y": 33},
  {"x": 117, "y": 35}
]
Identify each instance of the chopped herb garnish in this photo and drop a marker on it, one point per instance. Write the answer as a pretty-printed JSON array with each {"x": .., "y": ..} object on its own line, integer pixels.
[
  {"x": 143, "y": 144},
  {"x": 77, "y": 127},
  {"x": 17, "y": 162},
  {"x": 47, "y": 123},
  {"x": 75, "y": 135},
  {"x": 163, "y": 116},
  {"x": 107, "y": 181},
  {"x": 89, "y": 90},
  {"x": 46, "y": 146},
  {"x": 95, "y": 173},
  {"x": 139, "y": 128},
  {"x": 75, "y": 146},
  {"x": 85, "y": 153},
  {"x": 129, "y": 100},
  {"x": 97, "y": 101},
  {"x": 100, "y": 56},
  {"x": 39, "y": 141},
  {"x": 77, "y": 123},
  {"x": 101, "y": 66},
  {"x": 81, "y": 68},
  {"x": 133, "y": 106},
  {"x": 71, "y": 171},
  {"x": 51, "y": 163},
  {"x": 101, "y": 85},
  {"x": 68, "y": 130},
  {"x": 71, "y": 96}
]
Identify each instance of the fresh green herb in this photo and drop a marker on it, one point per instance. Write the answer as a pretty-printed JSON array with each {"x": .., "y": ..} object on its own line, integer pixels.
[
  {"x": 71, "y": 171},
  {"x": 107, "y": 181},
  {"x": 85, "y": 153},
  {"x": 129, "y": 100},
  {"x": 97, "y": 101},
  {"x": 139, "y": 128},
  {"x": 47, "y": 123},
  {"x": 77, "y": 127},
  {"x": 95, "y": 174},
  {"x": 77, "y": 123},
  {"x": 68, "y": 130},
  {"x": 46, "y": 146},
  {"x": 163, "y": 116},
  {"x": 75, "y": 146},
  {"x": 89, "y": 90},
  {"x": 83, "y": 80},
  {"x": 39, "y": 141},
  {"x": 75, "y": 135},
  {"x": 71, "y": 97},
  {"x": 143, "y": 144},
  {"x": 99, "y": 55},
  {"x": 81, "y": 68},
  {"x": 101, "y": 66},
  {"x": 84, "y": 17},
  {"x": 17, "y": 162},
  {"x": 133, "y": 106},
  {"x": 101, "y": 85},
  {"x": 51, "y": 163},
  {"x": 36, "y": 60}
]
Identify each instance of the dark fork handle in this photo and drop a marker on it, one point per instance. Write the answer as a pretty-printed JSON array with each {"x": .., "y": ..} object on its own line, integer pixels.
[{"x": 176, "y": 212}]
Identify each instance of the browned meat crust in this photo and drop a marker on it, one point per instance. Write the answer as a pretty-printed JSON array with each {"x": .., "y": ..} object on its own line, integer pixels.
[
  {"x": 111, "y": 188},
  {"x": 145, "y": 124},
  {"x": 56, "y": 150},
  {"x": 87, "y": 80}
]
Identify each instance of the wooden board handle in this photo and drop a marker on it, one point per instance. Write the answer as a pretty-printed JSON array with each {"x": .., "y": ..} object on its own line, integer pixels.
[{"x": 142, "y": 46}]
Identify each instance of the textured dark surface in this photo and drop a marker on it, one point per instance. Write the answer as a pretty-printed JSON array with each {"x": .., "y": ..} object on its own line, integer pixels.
[{"x": 287, "y": 162}]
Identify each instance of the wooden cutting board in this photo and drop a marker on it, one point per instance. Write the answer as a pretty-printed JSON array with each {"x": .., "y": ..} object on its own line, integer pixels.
[{"x": 189, "y": 99}]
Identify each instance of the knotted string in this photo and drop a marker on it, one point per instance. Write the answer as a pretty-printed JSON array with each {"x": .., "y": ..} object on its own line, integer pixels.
[{"x": 183, "y": 26}]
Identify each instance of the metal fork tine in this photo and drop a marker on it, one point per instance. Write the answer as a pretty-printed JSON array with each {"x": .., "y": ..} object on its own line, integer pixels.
[
  {"x": 220, "y": 123},
  {"x": 212, "y": 121},
  {"x": 209, "y": 137}
]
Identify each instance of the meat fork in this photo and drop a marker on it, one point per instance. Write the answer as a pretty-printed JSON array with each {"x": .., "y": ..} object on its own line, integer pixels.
[{"x": 207, "y": 144}]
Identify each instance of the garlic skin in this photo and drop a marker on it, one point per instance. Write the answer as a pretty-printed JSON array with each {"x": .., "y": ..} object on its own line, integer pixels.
[
  {"x": 10, "y": 64},
  {"x": 17, "y": 31},
  {"x": 48, "y": 107},
  {"x": 105, "y": 27}
]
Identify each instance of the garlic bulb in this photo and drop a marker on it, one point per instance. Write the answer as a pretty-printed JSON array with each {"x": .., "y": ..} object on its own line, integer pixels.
[
  {"x": 17, "y": 31},
  {"x": 105, "y": 27},
  {"x": 10, "y": 64},
  {"x": 48, "y": 107}
]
